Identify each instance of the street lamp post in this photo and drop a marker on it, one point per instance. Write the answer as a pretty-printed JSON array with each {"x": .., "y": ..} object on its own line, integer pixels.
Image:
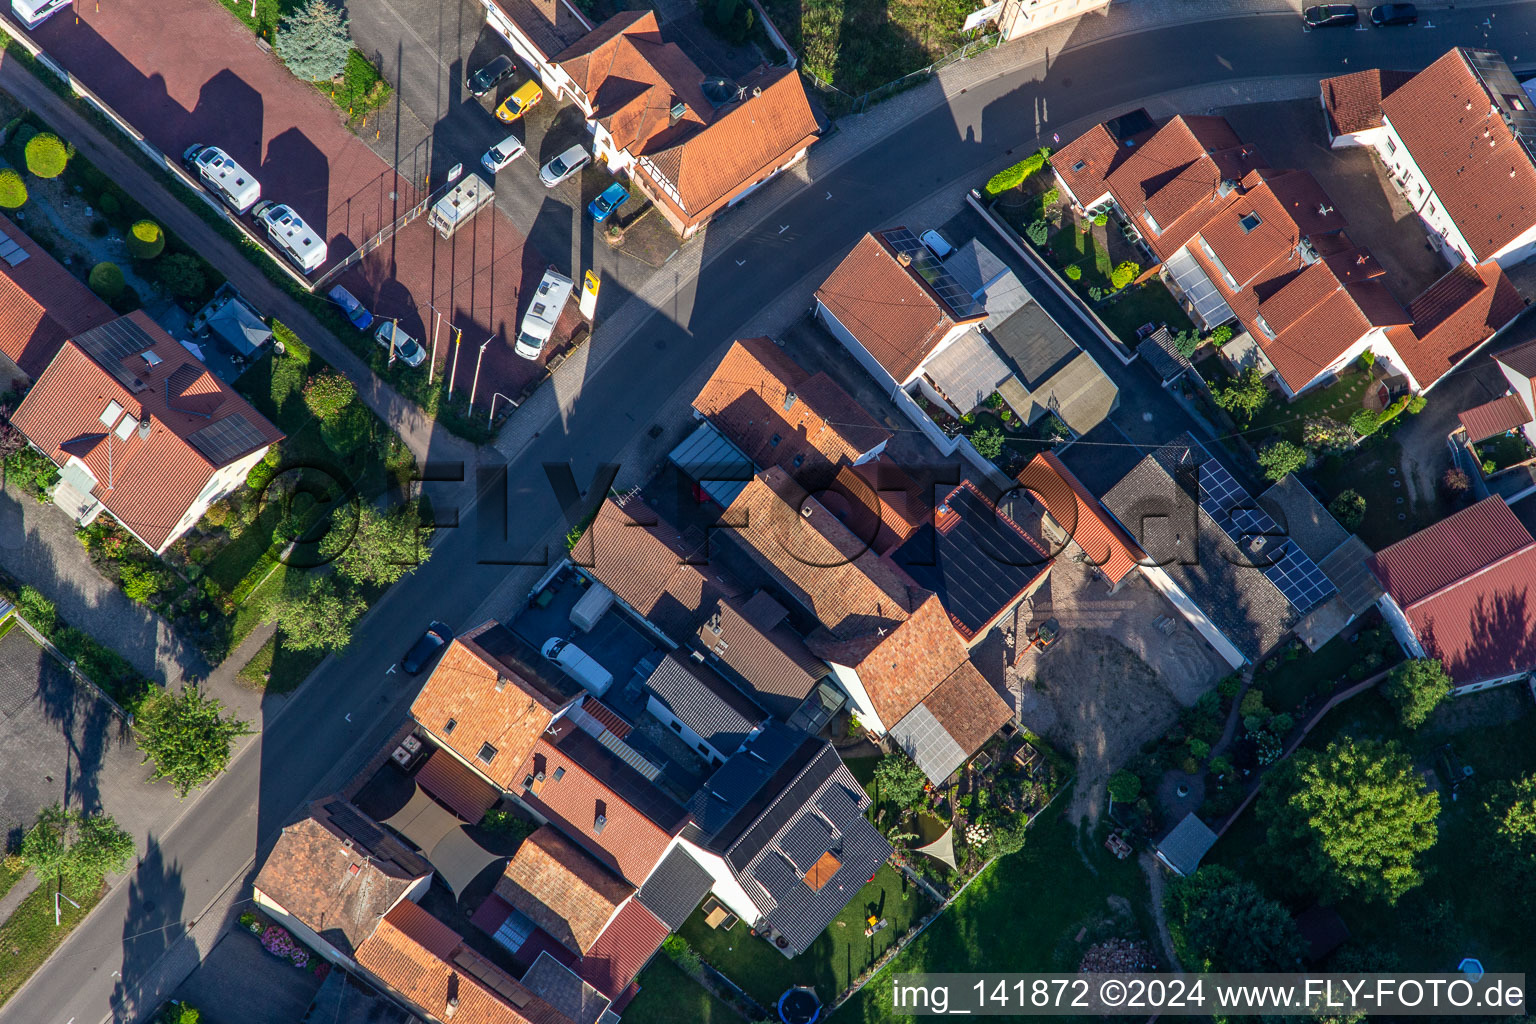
[
  {"x": 436, "y": 326},
  {"x": 476, "y": 383},
  {"x": 453, "y": 373},
  {"x": 491, "y": 420}
]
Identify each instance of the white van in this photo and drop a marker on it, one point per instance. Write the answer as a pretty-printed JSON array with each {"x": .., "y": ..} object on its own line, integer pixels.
[
  {"x": 292, "y": 236},
  {"x": 33, "y": 13},
  {"x": 579, "y": 665},
  {"x": 539, "y": 322},
  {"x": 228, "y": 180}
]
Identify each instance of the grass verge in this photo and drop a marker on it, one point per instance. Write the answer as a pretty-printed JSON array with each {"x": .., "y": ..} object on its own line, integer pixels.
[
  {"x": 28, "y": 937},
  {"x": 274, "y": 669},
  {"x": 668, "y": 996}
]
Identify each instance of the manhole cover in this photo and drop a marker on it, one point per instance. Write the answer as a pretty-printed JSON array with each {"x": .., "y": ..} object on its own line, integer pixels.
[
  {"x": 1401, "y": 516},
  {"x": 1397, "y": 483},
  {"x": 1398, "y": 500},
  {"x": 1391, "y": 471}
]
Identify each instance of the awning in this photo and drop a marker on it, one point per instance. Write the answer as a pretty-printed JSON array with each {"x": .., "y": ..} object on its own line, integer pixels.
[
  {"x": 1210, "y": 307},
  {"x": 709, "y": 458},
  {"x": 968, "y": 371},
  {"x": 458, "y": 859},
  {"x": 240, "y": 328},
  {"x": 423, "y": 821},
  {"x": 1493, "y": 418},
  {"x": 468, "y": 795}
]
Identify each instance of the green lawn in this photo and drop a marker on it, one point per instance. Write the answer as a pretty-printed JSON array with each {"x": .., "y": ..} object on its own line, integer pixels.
[
  {"x": 11, "y": 870},
  {"x": 275, "y": 669},
  {"x": 1147, "y": 303},
  {"x": 362, "y": 89},
  {"x": 1024, "y": 914},
  {"x": 1366, "y": 471},
  {"x": 29, "y": 937},
  {"x": 1459, "y": 910},
  {"x": 1338, "y": 401},
  {"x": 668, "y": 996},
  {"x": 833, "y": 960}
]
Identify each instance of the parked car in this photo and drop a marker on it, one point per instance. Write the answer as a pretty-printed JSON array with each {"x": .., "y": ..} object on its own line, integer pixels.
[
  {"x": 355, "y": 310},
  {"x": 564, "y": 166},
  {"x": 1383, "y": 15},
  {"x": 493, "y": 74},
  {"x": 406, "y": 349},
  {"x": 503, "y": 153},
  {"x": 433, "y": 640},
  {"x": 523, "y": 98},
  {"x": 611, "y": 198},
  {"x": 936, "y": 244},
  {"x": 1330, "y": 15}
]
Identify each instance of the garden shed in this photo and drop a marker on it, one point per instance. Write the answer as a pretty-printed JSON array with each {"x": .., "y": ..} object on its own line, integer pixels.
[{"x": 1181, "y": 849}]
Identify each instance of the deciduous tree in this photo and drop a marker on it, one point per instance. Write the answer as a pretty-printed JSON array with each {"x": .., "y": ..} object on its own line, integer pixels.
[
  {"x": 899, "y": 779},
  {"x": 75, "y": 844},
  {"x": 1349, "y": 509},
  {"x": 316, "y": 615},
  {"x": 1416, "y": 687},
  {"x": 1221, "y": 922},
  {"x": 1281, "y": 458},
  {"x": 187, "y": 737},
  {"x": 1353, "y": 819},
  {"x": 372, "y": 547},
  {"x": 1245, "y": 395}
]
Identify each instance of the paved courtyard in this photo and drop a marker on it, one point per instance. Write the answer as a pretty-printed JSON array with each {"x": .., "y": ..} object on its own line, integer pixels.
[
  {"x": 239, "y": 982},
  {"x": 64, "y": 744}
]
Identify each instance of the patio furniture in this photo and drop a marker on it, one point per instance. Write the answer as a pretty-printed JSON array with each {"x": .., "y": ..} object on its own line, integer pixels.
[
  {"x": 544, "y": 598},
  {"x": 1117, "y": 846},
  {"x": 1145, "y": 331},
  {"x": 715, "y": 913}
]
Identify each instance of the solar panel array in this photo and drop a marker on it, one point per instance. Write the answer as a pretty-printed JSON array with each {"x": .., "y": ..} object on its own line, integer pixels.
[
  {"x": 11, "y": 250},
  {"x": 111, "y": 344},
  {"x": 953, "y": 294},
  {"x": 1507, "y": 93},
  {"x": 228, "y": 439},
  {"x": 1292, "y": 572}
]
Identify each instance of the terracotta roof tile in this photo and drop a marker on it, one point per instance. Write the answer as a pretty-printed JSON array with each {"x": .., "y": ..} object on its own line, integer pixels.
[
  {"x": 1485, "y": 182},
  {"x": 1078, "y": 513},
  {"x": 147, "y": 482},
  {"x": 1096, "y": 150},
  {"x": 630, "y": 842},
  {"x": 451, "y": 781},
  {"x": 488, "y": 703},
  {"x": 775, "y": 411},
  {"x": 887, "y": 309},
  {"x": 1453, "y": 317},
  {"x": 626, "y": 946},
  {"x": 1520, "y": 358},
  {"x": 903, "y": 667},
  {"x": 41, "y": 304},
  {"x": 427, "y": 963},
  {"x": 1491, "y": 418},
  {"x": 1452, "y": 549},
  {"x": 1353, "y": 102},
  {"x": 338, "y": 872},
  {"x": 968, "y": 708},
  {"x": 559, "y": 887}
]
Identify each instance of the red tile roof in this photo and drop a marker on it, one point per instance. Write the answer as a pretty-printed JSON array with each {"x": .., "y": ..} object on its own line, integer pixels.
[
  {"x": 630, "y": 843},
  {"x": 1078, "y": 513},
  {"x": 968, "y": 708},
  {"x": 1097, "y": 151},
  {"x": 775, "y": 411},
  {"x": 1353, "y": 102},
  {"x": 1453, "y": 549},
  {"x": 560, "y": 888},
  {"x": 488, "y": 703},
  {"x": 428, "y": 964},
  {"x": 626, "y": 946},
  {"x": 1503, "y": 413},
  {"x": 1453, "y": 317},
  {"x": 702, "y": 159},
  {"x": 887, "y": 307},
  {"x": 449, "y": 780},
  {"x": 1466, "y": 585},
  {"x": 41, "y": 304},
  {"x": 1520, "y": 358},
  {"x": 147, "y": 481},
  {"x": 1458, "y": 138}
]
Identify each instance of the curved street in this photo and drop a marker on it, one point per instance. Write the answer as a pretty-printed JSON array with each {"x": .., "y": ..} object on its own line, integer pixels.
[{"x": 757, "y": 268}]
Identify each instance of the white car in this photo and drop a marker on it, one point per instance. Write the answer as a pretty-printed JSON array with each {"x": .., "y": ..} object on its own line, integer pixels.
[
  {"x": 406, "y": 349},
  {"x": 503, "y": 153},
  {"x": 564, "y": 166}
]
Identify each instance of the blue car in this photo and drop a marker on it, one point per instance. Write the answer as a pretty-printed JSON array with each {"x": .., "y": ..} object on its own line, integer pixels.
[
  {"x": 355, "y": 310},
  {"x": 612, "y": 198}
]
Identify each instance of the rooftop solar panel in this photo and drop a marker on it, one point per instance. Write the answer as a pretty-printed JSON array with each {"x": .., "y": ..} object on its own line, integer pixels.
[
  {"x": 1507, "y": 94},
  {"x": 225, "y": 441},
  {"x": 113, "y": 343},
  {"x": 951, "y": 292}
]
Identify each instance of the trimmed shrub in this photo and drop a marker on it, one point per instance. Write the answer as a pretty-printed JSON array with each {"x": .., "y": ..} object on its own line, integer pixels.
[
  {"x": 1365, "y": 422},
  {"x": 108, "y": 205},
  {"x": 1037, "y": 232},
  {"x": 1100, "y": 219},
  {"x": 46, "y": 155},
  {"x": 145, "y": 240},
  {"x": 1349, "y": 509},
  {"x": 13, "y": 191},
  {"x": 182, "y": 274},
  {"x": 1416, "y": 404},
  {"x": 1074, "y": 272},
  {"x": 1013, "y": 177},
  {"x": 1221, "y": 335},
  {"x": 106, "y": 280},
  {"x": 328, "y": 393},
  {"x": 1124, "y": 274},
  {"x": 17, "y": 147},
  {"x": 988, "y": 442}
]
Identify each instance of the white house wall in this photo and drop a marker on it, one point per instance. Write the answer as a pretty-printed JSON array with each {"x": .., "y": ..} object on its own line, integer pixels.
[
  {"x": 1417, "y": 190},
  {"x": 552, "y": 76},
  {"x": 1521, "y": 386},
  {"x": 303, "y": 932},
  {"x": 1400, "y": 627},
  {"x": 726, "y": 888},
  {"x": 854, "y": 688},
  {"x": 693, "y": 739}
]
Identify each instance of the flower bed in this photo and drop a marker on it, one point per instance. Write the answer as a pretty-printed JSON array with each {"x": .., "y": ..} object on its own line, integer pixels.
[{"x": 279, "y": 943}]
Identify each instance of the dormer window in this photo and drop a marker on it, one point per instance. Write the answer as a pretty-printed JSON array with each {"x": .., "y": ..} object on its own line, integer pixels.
[
  {"x": 1146, "y": 215},
  {"x": 487, "y": 753},
  {"x": 1079, "y": 165},
  {"x": 1249, "y": 222},
  {"x": 773, "y": 442}
]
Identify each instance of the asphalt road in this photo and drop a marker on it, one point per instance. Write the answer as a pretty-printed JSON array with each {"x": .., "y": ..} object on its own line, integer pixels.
[{"x": 310, "y": 745}]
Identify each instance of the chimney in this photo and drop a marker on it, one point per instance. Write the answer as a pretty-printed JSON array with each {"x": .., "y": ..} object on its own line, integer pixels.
[
  {"x": 789, "y": 400},
  {"x": 144, "y": 421},
  {"x": 600, "y": 823},
  {"x": 904, "y": 258},
  {"x": 757, "y": 91}
]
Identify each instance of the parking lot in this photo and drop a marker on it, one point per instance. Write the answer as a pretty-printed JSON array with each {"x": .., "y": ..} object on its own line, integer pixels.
[{"x": 64, "y": 744}]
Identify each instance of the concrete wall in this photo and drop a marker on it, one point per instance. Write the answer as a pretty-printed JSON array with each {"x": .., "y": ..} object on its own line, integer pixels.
[
  {"x": 726, "y": 888},
  {"x": 693, "y": 739},
  {"x": 1021, "y": 17}
]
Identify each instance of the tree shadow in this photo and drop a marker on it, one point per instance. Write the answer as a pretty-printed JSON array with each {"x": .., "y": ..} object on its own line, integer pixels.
[{"x": 153, "y": 925}]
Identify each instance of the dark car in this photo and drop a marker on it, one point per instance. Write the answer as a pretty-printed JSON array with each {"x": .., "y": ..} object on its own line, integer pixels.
[
  {"x": 433, "y": 640},
  {"x": 487, "y": 78},
  {"x": 1329, "y": 15},
  {"x": 1383, "y": 15}
]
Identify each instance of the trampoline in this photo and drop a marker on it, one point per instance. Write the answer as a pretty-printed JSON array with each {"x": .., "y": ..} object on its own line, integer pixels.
[{"x": 799, "y": 1005}]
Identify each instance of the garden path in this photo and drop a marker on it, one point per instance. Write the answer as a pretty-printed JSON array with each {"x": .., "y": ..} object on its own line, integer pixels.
[
  {"x": 25, "y": 886},
  {"x": 1156, "y": 882}
]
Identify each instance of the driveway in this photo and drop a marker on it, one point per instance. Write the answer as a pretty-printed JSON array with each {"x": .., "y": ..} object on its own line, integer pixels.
[
  {"x": 1113, "y": 681},
  {"x": 1290, "y": 134},
  {"x": 239, "y": 982},
  {"x": 64, "y": 744}
]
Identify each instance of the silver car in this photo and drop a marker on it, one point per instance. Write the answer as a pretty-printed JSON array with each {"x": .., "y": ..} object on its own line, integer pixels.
[
  {"x": 503, "y": 153},
  {"x": 406, "y": 349},
  {"x": 564, "y": 166}
]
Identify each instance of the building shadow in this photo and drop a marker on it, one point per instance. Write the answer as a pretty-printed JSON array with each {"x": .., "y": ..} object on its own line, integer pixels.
[{"x": 300, "y": 160}]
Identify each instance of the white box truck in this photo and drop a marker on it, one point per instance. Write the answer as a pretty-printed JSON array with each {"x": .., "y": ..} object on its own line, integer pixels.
[
  {"x": 538, "y": 325},
  {"x": 591, "y": 606},
  {"x": 223, "y": 176},
  {"x": 460, "y": 205}
]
